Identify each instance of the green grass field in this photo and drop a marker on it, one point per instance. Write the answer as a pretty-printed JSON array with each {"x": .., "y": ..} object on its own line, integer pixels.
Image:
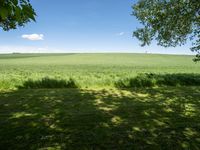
[
  {"x": 71, "y": 101},
  {"x": 89, "y": 70}
]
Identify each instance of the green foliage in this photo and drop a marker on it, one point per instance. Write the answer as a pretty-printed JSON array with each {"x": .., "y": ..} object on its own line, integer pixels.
[
  {"x": 152, "y": 80},
  {"x": 48, "y": 83},
  {"x": 15, "y": 13},
  {"x": 170, "y": 23}
]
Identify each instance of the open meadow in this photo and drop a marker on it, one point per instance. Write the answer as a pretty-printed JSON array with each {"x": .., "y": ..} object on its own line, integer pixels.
[
  {"x": 89, "y": 70},
  {"x": 99, "y": 101}
]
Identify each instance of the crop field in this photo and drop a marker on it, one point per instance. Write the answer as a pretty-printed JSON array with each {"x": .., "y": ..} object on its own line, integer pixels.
[
  {"x": 99, "y": 101},
  {"x": 89, "y": 70}
]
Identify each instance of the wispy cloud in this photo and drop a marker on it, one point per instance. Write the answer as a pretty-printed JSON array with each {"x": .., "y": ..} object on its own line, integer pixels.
[
  {"x": 120, "y": 33},
  {"x": 29, "y": 49},
  {"x": 33, "y": 37}
]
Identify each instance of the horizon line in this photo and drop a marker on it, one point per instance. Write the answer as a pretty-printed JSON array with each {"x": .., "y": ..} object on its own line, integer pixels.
[{"x": 97, "y": 53}]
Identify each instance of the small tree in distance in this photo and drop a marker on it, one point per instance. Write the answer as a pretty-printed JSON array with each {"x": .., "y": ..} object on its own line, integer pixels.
[
  {"x": 169, "y": 22},
  {"x": 14, "y": 13}
]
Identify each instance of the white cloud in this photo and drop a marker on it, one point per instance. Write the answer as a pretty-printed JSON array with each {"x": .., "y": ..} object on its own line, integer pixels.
[
  {"x": 33, "y": 37},
  {"x": 120, "y": 34}
]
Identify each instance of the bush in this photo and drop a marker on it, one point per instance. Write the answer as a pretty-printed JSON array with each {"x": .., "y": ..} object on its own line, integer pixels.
[
  {"x": 49, "y": 83},
  {"x": 151, "y": 80}
]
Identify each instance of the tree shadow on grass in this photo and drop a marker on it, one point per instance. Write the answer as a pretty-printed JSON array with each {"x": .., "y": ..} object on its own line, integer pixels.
[{"x": 162, "y": 118}]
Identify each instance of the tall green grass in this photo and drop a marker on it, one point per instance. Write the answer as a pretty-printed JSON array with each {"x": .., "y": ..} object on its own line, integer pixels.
[
  {"x": 140, "y": 81},
  {"x": 152, "y": 80},
  {"x": 48, "y": 83}
]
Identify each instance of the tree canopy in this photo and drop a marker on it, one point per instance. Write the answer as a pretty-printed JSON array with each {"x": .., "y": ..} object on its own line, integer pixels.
[
  {"x": 14, "y": 13},
  {"x": 169, "y": 22}
]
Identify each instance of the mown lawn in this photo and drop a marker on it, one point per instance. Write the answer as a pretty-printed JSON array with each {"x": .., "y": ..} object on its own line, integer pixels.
[{"x": 148, "y": 118}]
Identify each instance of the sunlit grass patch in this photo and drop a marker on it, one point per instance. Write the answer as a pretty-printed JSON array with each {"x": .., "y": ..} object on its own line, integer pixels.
[{"x": 91, "y": 70}]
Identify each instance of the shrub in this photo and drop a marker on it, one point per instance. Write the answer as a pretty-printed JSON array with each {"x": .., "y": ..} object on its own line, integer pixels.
[
  {"x": 49, "y": 83},
  {"x": 151, "y": 80}
]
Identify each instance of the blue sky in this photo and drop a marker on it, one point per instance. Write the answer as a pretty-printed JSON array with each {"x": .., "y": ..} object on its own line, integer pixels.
[{"x": 80, "y": 26}]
